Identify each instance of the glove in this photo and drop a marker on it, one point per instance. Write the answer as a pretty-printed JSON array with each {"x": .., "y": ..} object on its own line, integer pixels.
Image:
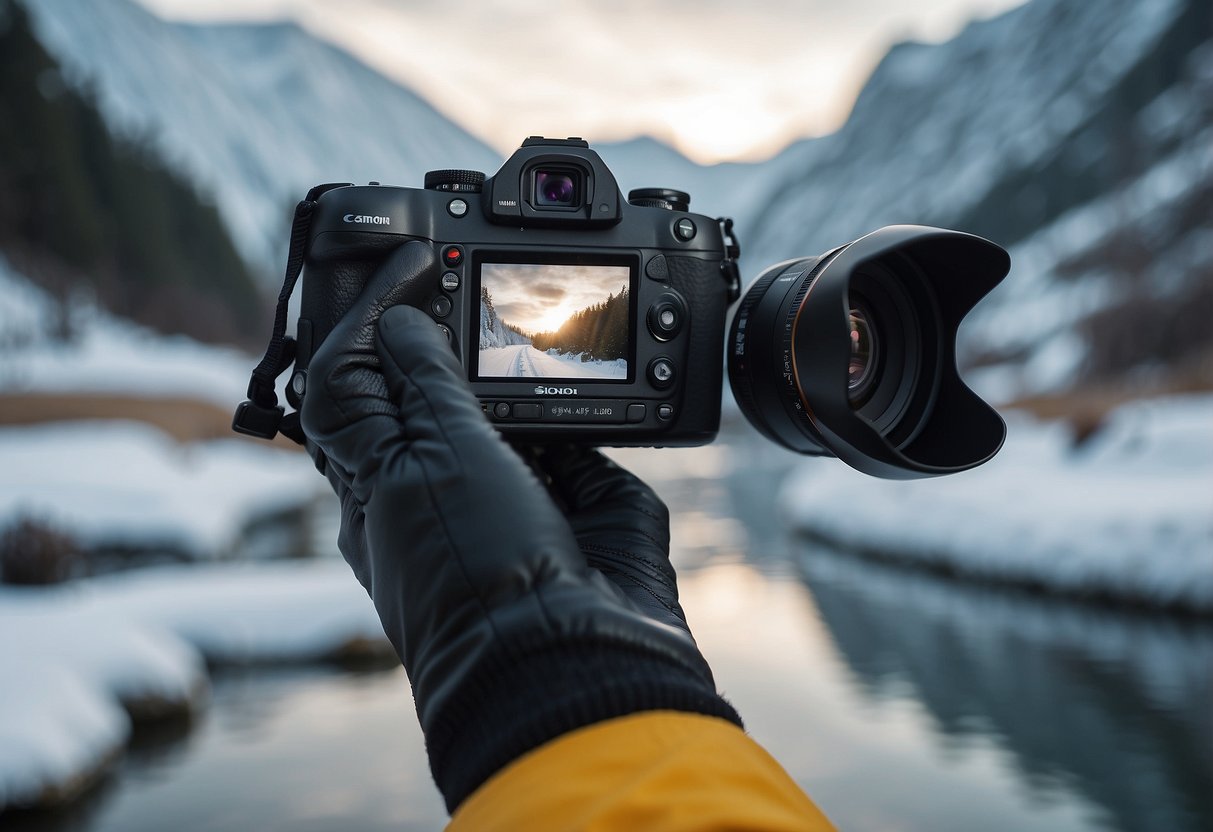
[{"x": 509, "y": 636}]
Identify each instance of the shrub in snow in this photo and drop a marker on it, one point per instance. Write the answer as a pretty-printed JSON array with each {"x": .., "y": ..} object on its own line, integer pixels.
[{"x": 33, "y": 552}]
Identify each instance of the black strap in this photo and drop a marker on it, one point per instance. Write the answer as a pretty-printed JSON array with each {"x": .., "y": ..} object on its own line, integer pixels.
[{"x": 261, "y": 415}]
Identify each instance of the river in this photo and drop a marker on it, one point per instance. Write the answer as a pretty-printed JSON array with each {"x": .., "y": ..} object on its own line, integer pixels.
[{"x": 899, "y": 700}]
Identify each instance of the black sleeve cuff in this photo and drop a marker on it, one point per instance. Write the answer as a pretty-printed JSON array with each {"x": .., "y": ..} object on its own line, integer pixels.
[{"x": 517, "y": 702}]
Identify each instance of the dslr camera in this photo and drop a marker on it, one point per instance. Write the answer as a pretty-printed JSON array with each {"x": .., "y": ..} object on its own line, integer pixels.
[{"x": 580, "y": 316}]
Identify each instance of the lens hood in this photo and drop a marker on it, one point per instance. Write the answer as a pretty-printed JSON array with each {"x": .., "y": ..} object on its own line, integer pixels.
[{"x": 916, "y": 284}]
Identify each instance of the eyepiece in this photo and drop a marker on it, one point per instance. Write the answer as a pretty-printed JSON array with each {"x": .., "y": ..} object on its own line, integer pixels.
[
  {"x": 556, "y": 188},
  {"x": 852, "y": 353}
]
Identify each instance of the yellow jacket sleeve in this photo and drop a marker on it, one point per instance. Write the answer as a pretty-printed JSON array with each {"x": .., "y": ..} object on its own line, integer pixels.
[{"x": 657, "y": 770}]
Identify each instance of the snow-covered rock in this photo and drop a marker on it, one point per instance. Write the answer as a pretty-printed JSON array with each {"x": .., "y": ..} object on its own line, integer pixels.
[
  {"x": 78, "y": 657},
  {"x": 128, "y": 483}
]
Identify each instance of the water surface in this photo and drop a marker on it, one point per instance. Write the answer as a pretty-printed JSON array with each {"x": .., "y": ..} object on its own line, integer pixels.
[{"x": 900, "y": 701}]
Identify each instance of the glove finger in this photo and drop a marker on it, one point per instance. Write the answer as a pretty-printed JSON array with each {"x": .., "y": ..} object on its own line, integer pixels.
[
  {"x": 455, "y": 461},
  {"x": 602, "y": 495},
  {"x": 347, "y": 410},
  {"x": 621, "y": 525}
]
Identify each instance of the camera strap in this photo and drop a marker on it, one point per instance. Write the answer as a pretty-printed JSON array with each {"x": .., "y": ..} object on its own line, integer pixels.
[
  {"x": 732, "y": 251},
  {"x": 261, "y": 415}
]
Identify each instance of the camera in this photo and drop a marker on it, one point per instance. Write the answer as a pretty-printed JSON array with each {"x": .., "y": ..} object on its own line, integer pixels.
[{"x": 580, "y": 316}]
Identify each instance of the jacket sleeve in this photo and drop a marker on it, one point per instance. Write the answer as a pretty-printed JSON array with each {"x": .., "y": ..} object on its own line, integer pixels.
[{"x": 658, "y": 770}]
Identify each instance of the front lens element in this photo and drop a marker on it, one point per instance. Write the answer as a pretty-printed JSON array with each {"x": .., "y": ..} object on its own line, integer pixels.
[{"x": 861, "y": 372}]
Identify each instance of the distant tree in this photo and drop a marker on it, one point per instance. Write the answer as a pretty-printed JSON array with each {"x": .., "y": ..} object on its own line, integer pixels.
[{"x": 598, "y": 332}]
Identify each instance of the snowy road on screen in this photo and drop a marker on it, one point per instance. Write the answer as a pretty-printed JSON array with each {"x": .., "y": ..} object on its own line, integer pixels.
[{"x": 524, "y": 361}]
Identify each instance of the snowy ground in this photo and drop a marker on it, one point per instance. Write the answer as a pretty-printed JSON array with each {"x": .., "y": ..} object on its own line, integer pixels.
[
  {"x": 77, "y": 656},
  {"x": 1128, "y": 515},
  {"x": 107, "y": 354},
  {"x": 527, "y": 362},
  {"x": 128, "y": 483}
]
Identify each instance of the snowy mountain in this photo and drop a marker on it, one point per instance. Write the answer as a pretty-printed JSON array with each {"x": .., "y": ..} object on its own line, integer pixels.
[
  {"x": 1080, "y": 135},
  {"x": 1077, "y": 134},
  {"x": 256, "y": 114}
]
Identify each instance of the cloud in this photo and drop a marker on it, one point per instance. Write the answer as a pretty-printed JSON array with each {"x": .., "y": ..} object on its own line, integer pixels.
[{"x": 535, "y": 297}]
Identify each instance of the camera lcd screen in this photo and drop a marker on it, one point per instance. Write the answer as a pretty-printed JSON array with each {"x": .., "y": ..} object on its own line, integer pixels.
[{"x": 555, "y": 321}]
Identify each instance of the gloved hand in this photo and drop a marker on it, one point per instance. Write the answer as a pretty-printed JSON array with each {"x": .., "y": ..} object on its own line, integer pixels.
[{"x": 508, "y": 634}]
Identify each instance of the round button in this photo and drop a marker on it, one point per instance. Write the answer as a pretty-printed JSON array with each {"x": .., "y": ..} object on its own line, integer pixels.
[
  {"x": 452, "y": 256},
  {"x": 666, "y": 316},
  {"x": 665, "y": 412},
  {"x": 450, "y": 281},
  {"x": 684, "y": 229},
  {"x": 501, "y": 410},
  {"x": 299, "y": 382},
  {"x": 661, "y": 372},
  {"x": 457, "y": 208},
  {"x": 446, "y": 330},
  {"x": 441, "y": 306}
]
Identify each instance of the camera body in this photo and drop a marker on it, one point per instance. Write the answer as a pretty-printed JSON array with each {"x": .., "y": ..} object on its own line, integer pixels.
[
  {"x": 580, "y": 317},
  {"x": 576, "y": 315}
]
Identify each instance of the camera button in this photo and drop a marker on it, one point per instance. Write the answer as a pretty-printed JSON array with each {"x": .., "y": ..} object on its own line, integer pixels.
[
  {"x": 450, "y": 281},
  {"x": 665, "y": 412},
  {"x": 452, "y": 256},
  {"x": 657, "y": 268},
  {"x": 501, "y": 410},
  {"x": 446, "y": 330},
  {"x": 457, "y": 208},
  {"x": 684, "y": 229},
  {"x": 636, "y": 412},
  {"x": 666, "y": 317},
  {"x": 441, "y": 306},
  {"x": 528, "y": 410},
  {"x": 661, "y": 372}
]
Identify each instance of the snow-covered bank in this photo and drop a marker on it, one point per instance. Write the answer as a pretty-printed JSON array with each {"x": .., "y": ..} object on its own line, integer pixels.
[
  {"x": 128, "y": 483},
  {"x": 106, "y": 354},
  {"x": 78, "y": 656},
  {"x": 1128, "y": 515}
]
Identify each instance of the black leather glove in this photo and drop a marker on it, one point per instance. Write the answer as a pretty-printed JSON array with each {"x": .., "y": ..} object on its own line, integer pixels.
[{"x": 508, "y": 635}]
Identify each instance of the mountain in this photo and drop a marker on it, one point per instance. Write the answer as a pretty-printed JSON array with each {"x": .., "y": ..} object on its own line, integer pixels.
[
  {"x": 253, "y": 114},
  {"x": 1076, "y": 134},
  {"x": 93, "y": 216}
]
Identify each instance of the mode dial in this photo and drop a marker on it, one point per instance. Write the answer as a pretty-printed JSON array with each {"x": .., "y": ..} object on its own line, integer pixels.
[
  {"x": 454, "y": 181},
  {"x": 667, "y": 198}
]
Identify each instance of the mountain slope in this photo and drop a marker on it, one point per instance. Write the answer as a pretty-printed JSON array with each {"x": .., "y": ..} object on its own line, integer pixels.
[
  {"x": 255, "y": 115},
  {"x": 1053, "y": 129},
  {"x": 89, "y": 214}
]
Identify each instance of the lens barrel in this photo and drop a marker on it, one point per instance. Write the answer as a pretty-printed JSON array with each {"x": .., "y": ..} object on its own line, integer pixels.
[{"x": 852, "y": 353}]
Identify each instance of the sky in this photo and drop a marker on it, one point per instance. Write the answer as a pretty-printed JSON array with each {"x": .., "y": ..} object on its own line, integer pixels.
[
  {"x": 539, "y": 298},
  {"x": 717, "y": 80}
]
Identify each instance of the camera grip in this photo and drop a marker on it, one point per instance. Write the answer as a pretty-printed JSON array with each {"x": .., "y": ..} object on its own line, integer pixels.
[
  {"x": 702, "y": 280},
  {"x": 334, "y": 276}
]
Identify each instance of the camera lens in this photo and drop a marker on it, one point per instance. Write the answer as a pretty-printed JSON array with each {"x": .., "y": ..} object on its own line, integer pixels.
[
  {"x": 555, "y": 188},
  {"x": 861, "y": 371},
  {"x": 852, "y": 354}
]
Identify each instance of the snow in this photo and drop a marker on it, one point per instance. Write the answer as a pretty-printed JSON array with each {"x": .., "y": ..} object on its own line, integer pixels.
[
  {"x": 87, "y": 649},
  {"x": 1126, "y": 515},
  {"x": 124, "y": 482},
  {"x": 106, "y": 354},
  {"x": 527, "y": 362}
]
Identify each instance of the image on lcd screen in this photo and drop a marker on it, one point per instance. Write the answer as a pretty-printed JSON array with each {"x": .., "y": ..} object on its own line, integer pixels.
[{"x": 554, "y": 321}]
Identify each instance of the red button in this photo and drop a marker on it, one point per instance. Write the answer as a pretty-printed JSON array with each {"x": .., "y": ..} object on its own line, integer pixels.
[{"x": 452, "y": 255}]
